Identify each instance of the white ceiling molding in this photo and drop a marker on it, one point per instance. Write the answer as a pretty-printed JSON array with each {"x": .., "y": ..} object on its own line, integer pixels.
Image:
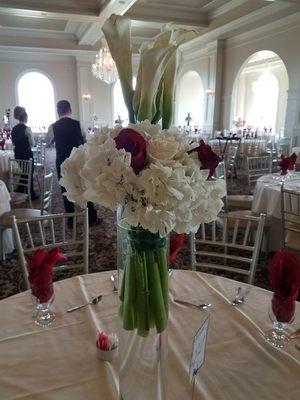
[
  {"x": 229, "y": 6},
  {"x": 165, "y": 13},
  {"x": 94, "y": 33},
  {"x": 271, "y": 29},
  {"x": 237, "y": 26},
  {"x": 86, "y": 7},
  {"x": 48, "y": 14}
]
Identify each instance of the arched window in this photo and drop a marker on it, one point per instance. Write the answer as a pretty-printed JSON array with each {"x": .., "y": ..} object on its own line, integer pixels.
[
  {"x": 36, "y": 94},
  {"x": 120, "y": 109},
  {"x": 260, "y": 93},
  {"x": 190, "y": 99},
  {"x": 265, "y": 100}
]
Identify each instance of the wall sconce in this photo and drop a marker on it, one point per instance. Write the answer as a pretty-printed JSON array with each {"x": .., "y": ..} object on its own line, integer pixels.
[
  {"x": 86, "y": 96},
  {"x": 209, "y": 92}
]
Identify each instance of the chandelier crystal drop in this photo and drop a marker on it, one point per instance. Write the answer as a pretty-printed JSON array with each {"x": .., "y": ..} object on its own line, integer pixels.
[{"x": 104, "y": 67}]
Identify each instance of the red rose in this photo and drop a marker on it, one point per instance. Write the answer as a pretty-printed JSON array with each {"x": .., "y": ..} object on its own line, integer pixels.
[
  {"x": 207, "y": 157},
  {"x": 134, "y": 143}
]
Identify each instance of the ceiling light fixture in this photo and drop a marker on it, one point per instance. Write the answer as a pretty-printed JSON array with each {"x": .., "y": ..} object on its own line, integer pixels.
[{"x": 104, "y": 67}]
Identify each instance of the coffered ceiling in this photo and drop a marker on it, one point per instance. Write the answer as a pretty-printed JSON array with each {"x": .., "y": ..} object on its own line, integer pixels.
[{"x": 75, "y": 25}]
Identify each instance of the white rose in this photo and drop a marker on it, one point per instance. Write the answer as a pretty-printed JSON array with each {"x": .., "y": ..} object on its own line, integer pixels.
[{"x": 162, "y": 147}]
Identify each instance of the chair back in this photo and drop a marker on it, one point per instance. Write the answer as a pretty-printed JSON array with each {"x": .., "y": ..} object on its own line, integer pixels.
[
  {"x": 290, "y": 214},
  {"x": 20, "y": 175},
  {"x": 285, "y": 146},
  {"x": 257, "y": 167},
  {"x": 39, "y": 154},
  {"x": 48, "y": 231},
  {"x": 220, "y": 173},
  {"x": 221, "y": 244},
  {"x": 254, "y": 147},
  {"x": 46, "y": 193}
]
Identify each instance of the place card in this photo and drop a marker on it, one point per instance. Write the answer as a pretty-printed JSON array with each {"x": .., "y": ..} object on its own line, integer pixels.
[{"x": 199, "y": 347}]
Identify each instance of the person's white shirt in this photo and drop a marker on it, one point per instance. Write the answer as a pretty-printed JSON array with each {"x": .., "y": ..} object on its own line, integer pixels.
[{"x": 49, "y": 138}]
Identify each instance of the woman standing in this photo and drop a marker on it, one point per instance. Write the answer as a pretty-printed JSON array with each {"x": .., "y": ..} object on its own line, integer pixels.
[{"x": 21, "y": 136}]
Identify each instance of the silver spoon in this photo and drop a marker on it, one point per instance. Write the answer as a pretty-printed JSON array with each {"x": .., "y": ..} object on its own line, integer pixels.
[
  {"x": 114, "y": 280},
  {"x": 95, "y": 300},
  {"x": 204, "y": 306}
]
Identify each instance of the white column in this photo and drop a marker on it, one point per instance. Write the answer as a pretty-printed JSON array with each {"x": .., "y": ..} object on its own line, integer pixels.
[
  {"x": 83, "y": 64},
  {"x": 214, "y": 82},
  {"x": 292, "y": 120}
]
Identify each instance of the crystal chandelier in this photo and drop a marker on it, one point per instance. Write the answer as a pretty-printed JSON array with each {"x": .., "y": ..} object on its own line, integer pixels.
[{"x": 104, "y": 67}]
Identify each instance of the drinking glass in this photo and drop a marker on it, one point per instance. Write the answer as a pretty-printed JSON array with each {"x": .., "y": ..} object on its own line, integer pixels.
[
  {"x": 42, "y": 298},
  {"x": 281, "y": 313}
]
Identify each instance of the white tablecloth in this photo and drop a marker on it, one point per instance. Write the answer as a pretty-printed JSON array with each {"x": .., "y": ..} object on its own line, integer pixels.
[
  {"x": 59, "y": 363},
  {"x": 4, "y": 164},
  {"x": 8, "y": 244},
  {"x": 267, "y": 199},
  {"x": 247, "y": 147}
]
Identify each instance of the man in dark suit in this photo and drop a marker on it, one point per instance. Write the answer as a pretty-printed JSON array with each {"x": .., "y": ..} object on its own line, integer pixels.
[{"x": 66, "y": 133}]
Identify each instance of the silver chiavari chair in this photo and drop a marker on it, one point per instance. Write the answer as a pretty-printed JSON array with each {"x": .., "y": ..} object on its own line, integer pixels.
[
  {"x": 290, "y": 215},
  {"x": 21, "y": 213},
  {"x": 20, "y": 175},
  {"x": 257, "y": 167},
  {"x": 228, "y": 244},
  {"x": 69, "y": 231}
]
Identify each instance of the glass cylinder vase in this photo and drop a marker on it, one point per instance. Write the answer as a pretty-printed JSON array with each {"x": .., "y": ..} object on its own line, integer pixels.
[{"x": 143, "y": 312}]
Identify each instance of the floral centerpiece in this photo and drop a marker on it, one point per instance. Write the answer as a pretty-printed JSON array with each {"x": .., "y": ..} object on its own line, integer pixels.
[{"x": 158, "y": 180}]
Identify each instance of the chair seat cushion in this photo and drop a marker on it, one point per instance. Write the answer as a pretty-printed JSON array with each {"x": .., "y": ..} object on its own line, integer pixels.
[
  {"x": 18, "y": 198},
  {"x": 19, "y": 213},
  {"x": 240, "y": 201}
]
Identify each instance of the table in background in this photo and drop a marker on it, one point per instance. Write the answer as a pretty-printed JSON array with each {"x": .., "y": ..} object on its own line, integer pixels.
[
  {"x": 297, "y": 151},
  {"x": 4, "y": 164},
  {"x": 60, "y": 362},
  {"x": 267, "y": 199},
  {"x": 8, "y": 244}
]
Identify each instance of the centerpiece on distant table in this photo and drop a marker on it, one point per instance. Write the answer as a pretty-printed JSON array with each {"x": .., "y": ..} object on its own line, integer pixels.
[{"x": 155, "y": 179}]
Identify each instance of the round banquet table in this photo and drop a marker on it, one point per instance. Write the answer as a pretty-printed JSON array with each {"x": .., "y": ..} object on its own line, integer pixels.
[
  {"x": 267, "y": 199},
  {"x": 5, "y": 155},
  {"x": 60, "y": 362},
  {"x": 7, "y": 237}
]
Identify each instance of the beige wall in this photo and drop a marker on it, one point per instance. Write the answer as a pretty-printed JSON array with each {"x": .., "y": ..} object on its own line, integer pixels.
[{"x": 60, "y": 70}]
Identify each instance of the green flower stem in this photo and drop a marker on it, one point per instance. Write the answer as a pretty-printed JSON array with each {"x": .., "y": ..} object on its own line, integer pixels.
[
  {"x": 164, "y": 275},
  {"x": 144, "y": 287}
]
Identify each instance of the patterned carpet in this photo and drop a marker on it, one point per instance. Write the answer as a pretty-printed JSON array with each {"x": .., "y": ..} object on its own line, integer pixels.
[{"x": 103, "y": 245}]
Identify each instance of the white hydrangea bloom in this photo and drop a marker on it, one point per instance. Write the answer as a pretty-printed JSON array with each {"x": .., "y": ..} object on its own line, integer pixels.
[
  {"x": 107, "y": 173},
  {"x": 72, "y": 179},
  {"x": 170, "y": 193}
]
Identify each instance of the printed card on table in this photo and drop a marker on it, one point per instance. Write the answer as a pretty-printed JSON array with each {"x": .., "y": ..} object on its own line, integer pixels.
[{"x": 199, "y": 347}]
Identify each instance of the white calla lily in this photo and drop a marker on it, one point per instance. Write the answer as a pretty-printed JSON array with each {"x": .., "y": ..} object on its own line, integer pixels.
[{"x": 117, "y": 31}]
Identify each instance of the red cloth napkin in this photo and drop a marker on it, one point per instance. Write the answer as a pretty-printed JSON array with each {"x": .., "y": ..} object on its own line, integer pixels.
[
  {"x": 2, "y": 143},
  {"x": 207, "y": 157},
  {"x": 176, "y": 242},
  {"x": 287, "y": 163},
  {"x": 284, "y": 273},
  {"x": 40, "y": 272}
]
